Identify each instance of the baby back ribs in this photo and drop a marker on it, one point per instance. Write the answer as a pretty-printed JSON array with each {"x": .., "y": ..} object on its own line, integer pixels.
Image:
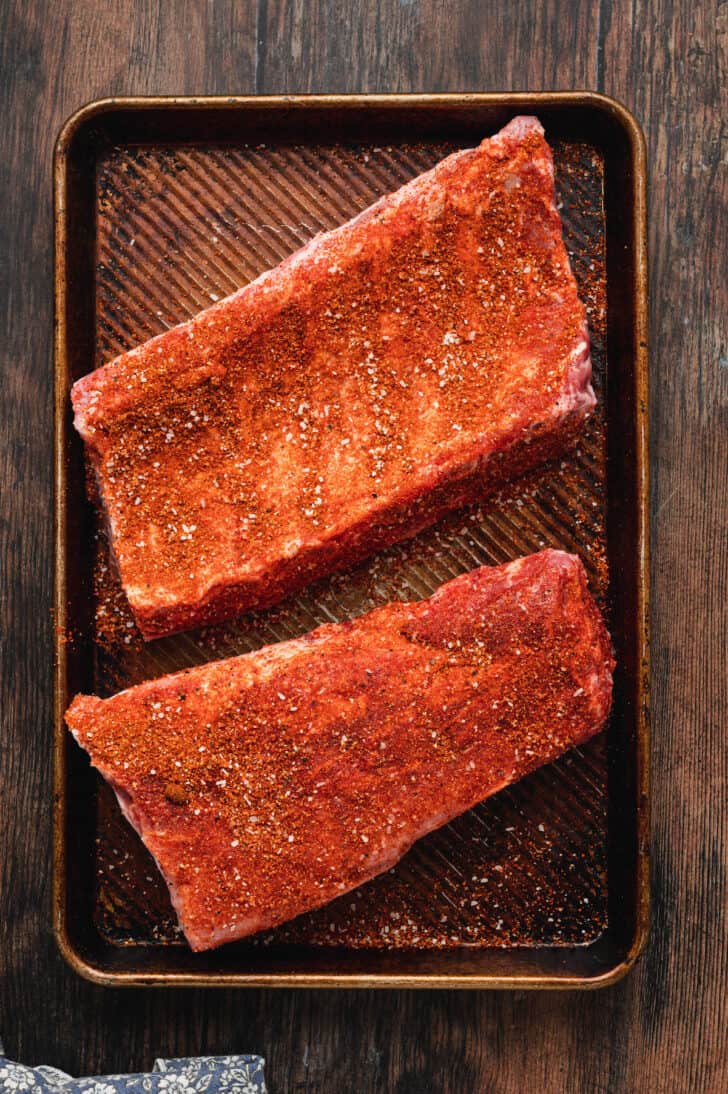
[
  {"x": 267, "y": 784},
  {"x": 389, "y": 371}
]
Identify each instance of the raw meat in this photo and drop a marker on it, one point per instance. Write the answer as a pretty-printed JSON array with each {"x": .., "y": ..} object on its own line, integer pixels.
[
  {"x": 268, "y": 784},
  {"x": 391, "y": 370}
]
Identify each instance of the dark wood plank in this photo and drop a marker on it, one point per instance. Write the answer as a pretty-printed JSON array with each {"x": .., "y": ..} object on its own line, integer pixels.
[
  {"x": 663, "y": 1028},
  {"x": 426, "y": 45},
  {"x": 665, "y": 60}
]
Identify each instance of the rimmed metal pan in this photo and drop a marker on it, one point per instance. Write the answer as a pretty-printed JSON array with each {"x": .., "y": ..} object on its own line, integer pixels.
[{"x": 164, "y": 204}]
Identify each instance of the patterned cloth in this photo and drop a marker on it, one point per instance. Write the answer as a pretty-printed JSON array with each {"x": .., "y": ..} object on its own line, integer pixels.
[{"x": 195, "y": 1075}]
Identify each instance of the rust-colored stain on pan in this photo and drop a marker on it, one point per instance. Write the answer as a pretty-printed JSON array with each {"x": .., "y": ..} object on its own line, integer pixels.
[{"x": 177, "y": 222}]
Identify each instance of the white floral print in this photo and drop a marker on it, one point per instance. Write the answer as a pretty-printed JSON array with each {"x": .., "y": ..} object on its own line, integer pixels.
[
  {"x": 178, "y": 1083},
  {"x": 200, "y": 1075},
  {"x": 16, "y": 1080},
  {"x": 238, "y": 1080}
]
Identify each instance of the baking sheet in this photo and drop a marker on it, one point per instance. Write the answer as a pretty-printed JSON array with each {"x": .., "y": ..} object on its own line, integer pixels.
[{"x": 177, "y": 225}]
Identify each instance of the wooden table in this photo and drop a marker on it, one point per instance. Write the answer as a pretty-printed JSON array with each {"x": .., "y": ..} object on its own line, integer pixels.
[{"x": 664, "y": 1027}]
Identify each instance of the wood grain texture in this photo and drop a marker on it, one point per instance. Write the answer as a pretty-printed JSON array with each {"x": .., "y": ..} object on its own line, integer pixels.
[{"x": 664, "y": 1027}]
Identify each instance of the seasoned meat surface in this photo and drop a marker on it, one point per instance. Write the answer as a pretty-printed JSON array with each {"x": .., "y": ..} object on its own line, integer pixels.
[
  {"x": 268, "y": 784},
  {"x": 389, "y": 371}
]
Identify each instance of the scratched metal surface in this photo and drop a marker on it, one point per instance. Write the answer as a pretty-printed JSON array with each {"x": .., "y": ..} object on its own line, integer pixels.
[{"x": 179, "y": 227}]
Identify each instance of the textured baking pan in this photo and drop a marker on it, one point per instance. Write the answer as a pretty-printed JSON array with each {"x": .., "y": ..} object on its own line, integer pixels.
[{"x": 165, "y": 205}]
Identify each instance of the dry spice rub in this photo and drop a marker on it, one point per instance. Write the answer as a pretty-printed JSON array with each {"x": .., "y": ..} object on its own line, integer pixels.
[
  {"x": 268, "y": 784},
  {"x": 391, "y": 370}
]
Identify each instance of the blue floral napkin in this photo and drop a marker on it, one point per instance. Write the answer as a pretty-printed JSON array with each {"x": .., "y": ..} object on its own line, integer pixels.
[{"x": 195, "y": 1075}]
